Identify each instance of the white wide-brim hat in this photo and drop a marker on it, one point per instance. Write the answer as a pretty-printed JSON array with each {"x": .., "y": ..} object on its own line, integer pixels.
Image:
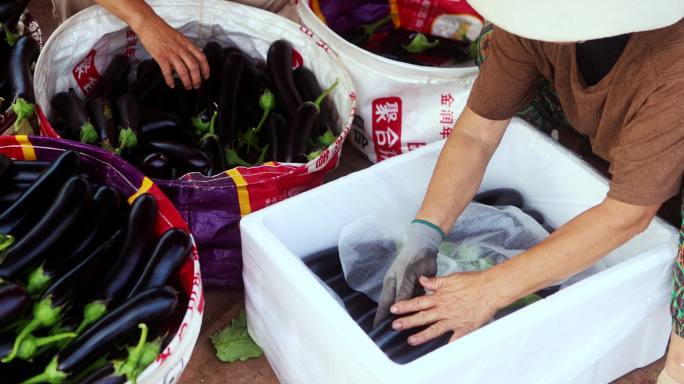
[{"x": 578, "y": 20}]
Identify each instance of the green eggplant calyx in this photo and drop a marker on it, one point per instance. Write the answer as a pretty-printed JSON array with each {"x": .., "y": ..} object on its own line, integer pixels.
[
  {"x": 208, "y": 136},
  {"x": 10, "y": 37},
  {"x": 37, "y": 281},
  {"x": 139, "y": 356},
  {"x": 44, "y": 315},
  {"x": 313, "y": 155},
  {"x": 88, "y": 133},
  {"x": 25, "y": 332},
  {"x": 250, "y": 139},
  {"x": 51, "y": 375},
  {"x": 327, "y": 139},
  {"x": 24, "y": 110},
  {"x": 128, "y": 140},
  {"x": 92, "y": 312},
  {"x": 234, "y": 160},
  {"x": 6, "y": 242},
  {"x": 420, "y": 43},
  {"x": 201, "y": 126},
  {"x": 325, "y": 93},
  {"x": 267, "y": 101}
]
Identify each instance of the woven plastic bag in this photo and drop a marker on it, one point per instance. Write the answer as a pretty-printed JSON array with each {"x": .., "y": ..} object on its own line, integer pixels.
[
  {"x": 83, "y": 46},
  {"x": 131, "y": 183}
]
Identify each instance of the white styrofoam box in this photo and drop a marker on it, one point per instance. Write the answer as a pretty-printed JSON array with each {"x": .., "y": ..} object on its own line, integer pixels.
[{"x": 592, "y": 332}]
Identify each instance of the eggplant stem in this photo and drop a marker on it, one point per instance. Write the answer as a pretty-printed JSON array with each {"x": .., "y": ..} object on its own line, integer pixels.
[
  {"x": 30, "y": 327},
  {"x": 44, "y": 315},
  {"x": 51, "y": 374},
  {"x": 212, "y": 122},
  {"x": 325, "y": 94},
  {"x": 262, "y": 156},
  {"x": 139, "y": 357},
  {"x": 135, "y": 354},
  {"x": 6, "y": 242},
  {"x": 264, "y": 116},
  {"x": 201, "y": 126},
  {"x": 47, "y": 340},
  {"x": 267, "y": 103},
  {"x": 419, "y": 44},
  {"x": 30, "y": 345},
  {"x": 369, "y": 29}
]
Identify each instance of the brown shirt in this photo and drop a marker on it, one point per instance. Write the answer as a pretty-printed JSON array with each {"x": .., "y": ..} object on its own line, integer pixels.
[{"x": 634, "y": 117}]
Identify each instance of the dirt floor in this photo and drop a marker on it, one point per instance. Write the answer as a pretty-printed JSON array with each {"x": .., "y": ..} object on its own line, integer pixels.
[{"x": 221, "y": 306}]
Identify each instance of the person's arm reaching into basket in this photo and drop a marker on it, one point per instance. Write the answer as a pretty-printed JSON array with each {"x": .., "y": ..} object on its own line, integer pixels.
[{"x": 173, "y": 51}]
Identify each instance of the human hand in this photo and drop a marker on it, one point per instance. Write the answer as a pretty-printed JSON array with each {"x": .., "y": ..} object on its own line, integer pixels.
[
  {"x": 461, "y": 302},
  {"x": 418, "y": 257},
  {"x": 173, "y": 52}
]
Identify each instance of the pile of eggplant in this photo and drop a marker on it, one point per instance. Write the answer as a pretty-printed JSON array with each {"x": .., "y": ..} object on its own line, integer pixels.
[
  {"x": 88, "y": 293},
  {"x": 247, "y": 113},
  {"x": 17, "y": 55},
  {"x": 382, "y": 38}
]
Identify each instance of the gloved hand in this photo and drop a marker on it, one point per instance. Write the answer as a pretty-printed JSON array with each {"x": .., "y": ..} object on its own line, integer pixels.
[{"x": 417, "y": 258}]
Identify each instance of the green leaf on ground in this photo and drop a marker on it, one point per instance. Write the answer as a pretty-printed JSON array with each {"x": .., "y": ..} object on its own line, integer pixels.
[{"x": 234, "y": 343}]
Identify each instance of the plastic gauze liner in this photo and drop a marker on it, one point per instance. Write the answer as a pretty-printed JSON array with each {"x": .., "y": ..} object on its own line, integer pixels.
[{"x": 482, "y": 236}]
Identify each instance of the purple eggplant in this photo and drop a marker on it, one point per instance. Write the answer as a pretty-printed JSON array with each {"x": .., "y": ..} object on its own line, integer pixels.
[
  {"x": 279, "y": 60},
  {"x": 28, "y": 251},
  {"x": 172, "y": 250},
  {"x": 182, "y": 156},
  {"x": 115, "y": 329},
  {"x": 231, "y": 77},
  {"x": 24, "y": 53},
  {"x": 102, "y": 115},
  {"x": 113, "y": 78},
  {"x": 14, "y": 299},
  {"x": 157, "y": 166},
  {"x": 77, "y": 124},
  {"x": 30, "y": 206}
]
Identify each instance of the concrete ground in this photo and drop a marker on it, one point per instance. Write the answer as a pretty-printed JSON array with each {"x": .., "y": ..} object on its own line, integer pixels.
[{"x": 221, "y": 306}]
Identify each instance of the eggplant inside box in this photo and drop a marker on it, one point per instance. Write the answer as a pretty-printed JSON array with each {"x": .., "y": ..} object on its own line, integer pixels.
[{"x": 591, "y": 332}]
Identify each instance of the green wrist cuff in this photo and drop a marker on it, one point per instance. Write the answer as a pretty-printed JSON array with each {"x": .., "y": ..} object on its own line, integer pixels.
[{"x": 433, "y": 226}]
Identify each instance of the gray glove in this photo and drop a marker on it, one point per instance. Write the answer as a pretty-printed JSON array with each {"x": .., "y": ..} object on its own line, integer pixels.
[{"x": 417, "y": 258}]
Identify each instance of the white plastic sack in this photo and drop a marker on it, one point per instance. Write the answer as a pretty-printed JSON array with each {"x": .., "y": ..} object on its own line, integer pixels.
[
  {"x": 481, "y": 237},
  {"x": 404, "y": 106}
]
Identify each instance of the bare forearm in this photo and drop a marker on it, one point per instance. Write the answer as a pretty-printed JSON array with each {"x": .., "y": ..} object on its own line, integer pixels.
[
  {"x": 131, "y": 12},
  {"x": 571, "y": 249},
  {"x": 173, "y": 52},
  {"x": 460, "y": 168}
]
